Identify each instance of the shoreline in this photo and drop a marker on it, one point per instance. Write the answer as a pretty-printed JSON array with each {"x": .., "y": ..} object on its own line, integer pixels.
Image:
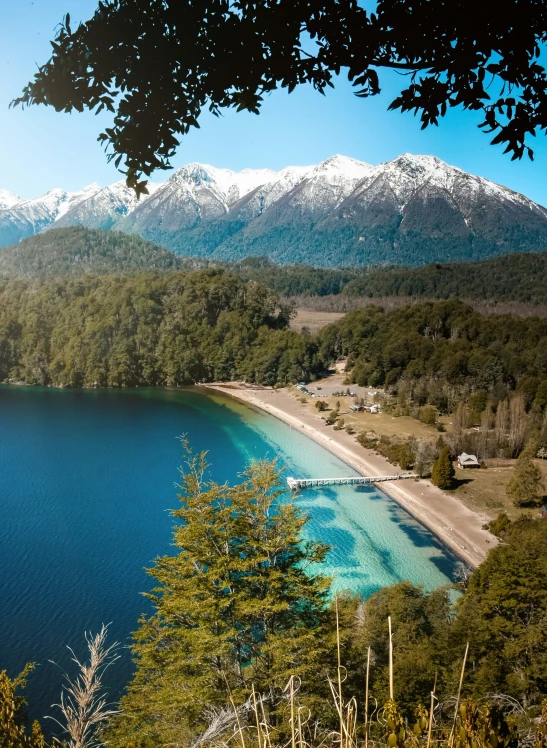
[{"x": 456, "y": 526}]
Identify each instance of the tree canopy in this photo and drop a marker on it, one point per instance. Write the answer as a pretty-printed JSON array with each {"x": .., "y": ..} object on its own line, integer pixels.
[{"x": 157, "y": 65}]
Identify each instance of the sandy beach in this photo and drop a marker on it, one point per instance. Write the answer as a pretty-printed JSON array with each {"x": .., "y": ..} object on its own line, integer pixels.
[{"x": 454, "y": 524}]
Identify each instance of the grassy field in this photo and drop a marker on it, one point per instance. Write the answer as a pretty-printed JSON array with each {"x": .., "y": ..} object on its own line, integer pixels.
[
  {"x": 484, "y": 490},
  {"x": 313, "y": 320}
]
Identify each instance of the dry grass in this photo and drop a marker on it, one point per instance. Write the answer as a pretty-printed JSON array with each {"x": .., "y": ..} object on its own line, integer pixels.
[
  {"x": 83, "y": 704},
  {"x": 313, "y": 320},
  {"x": 382, "y": 424},
  {"x": 342, "y": 304},
  {"x": 484, "y": 490}
]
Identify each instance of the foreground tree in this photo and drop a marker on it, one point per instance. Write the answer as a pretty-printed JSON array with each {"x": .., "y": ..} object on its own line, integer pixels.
[
  {"x": 230, "y": 53},
  {"x": 503, "y": 615},
  {"x": 13, "y": 731},
  {"x": 442, "y": 473},
  {"x": 526, "y": 486},
  {"x": 236, "y": 608}
]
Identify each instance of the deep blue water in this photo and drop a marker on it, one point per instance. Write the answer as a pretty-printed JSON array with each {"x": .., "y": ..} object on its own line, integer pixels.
[{"x": 86, "y": 482}]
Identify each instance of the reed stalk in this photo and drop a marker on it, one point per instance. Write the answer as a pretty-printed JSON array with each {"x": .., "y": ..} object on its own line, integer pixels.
[{"x": 453, "y": 730}]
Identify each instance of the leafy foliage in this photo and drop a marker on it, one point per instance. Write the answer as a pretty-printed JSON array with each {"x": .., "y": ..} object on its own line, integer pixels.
[
  {"x": 218, "y": 54},
  {"x": 235, "y": 609},
  {"x": 503, "y": 612},
  {"x": 13, "y": 732},
  {"x": 151, "y": 329},
  {"x": 526, "y": 485},
  {"x": 438, "y": 345}
]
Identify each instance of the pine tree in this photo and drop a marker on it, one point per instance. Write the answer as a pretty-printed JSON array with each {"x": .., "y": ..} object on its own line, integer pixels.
[
  {"x": 526, "y": 485},
  {"x": 237, "y": 608},
  {"x": 442, "y": 473}
]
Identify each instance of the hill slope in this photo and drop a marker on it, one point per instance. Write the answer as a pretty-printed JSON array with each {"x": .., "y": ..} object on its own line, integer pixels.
[{"x": 78, "y": 251}]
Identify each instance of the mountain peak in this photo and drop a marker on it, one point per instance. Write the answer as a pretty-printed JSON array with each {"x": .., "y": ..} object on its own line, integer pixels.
[
  {"x": 8, "y": 199},
  {"x": 342, "y": 211}
]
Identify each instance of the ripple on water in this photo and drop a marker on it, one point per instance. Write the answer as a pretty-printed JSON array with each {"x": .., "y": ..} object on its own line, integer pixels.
[{"x": 86, "y": 479}]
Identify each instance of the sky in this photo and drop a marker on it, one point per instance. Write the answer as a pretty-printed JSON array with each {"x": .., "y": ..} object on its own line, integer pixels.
[{"x": 41, "y": 149}]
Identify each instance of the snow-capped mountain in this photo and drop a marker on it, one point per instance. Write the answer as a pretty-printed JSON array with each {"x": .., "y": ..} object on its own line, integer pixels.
[
  {"x": 8, "y": 199},
  {"x": 102, "y": 208},
  {"x": 28, "y": 217},
  {"x": 195, "y": 193},
  {"x": 412, "y": 210}
]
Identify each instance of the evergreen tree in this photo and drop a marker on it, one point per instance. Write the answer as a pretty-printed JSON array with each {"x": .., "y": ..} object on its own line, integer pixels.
[
  {"x": 442, "y": 473},
  {"x": 526, "y": 485},
  {"x": 235, "y": 608}
]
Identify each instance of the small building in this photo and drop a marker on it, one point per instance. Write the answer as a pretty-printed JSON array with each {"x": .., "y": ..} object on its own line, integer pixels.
[
  {"x": 358, "y": 408},
  {"x": 543, "y": 511},
  {"x": 467, "y": 461}
]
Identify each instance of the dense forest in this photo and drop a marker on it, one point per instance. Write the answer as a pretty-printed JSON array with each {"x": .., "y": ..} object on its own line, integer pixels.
[
  {"x": 517, "y": 277},
  {"x": 444, "y": 345},
  {"x": 245, "y": 642},
  {"x": 176, "y": 328},
  {"x": 203, "y": 325},
  {"x": 77, "y": 251}
]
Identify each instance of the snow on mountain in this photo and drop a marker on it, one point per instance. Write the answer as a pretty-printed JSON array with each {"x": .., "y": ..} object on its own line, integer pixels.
[
  {"x": 195, "y": 193},
  {"x": 411, "y": 210},
  {"x": 321, "y": 188},
  {"x": 101, "y": 209},
  {"x": 8, "y": 199},
  {"x": 28, "y": 217}
]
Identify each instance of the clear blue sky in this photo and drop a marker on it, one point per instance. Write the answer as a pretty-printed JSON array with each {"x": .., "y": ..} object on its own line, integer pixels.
[{"x": 41, "y": 149}]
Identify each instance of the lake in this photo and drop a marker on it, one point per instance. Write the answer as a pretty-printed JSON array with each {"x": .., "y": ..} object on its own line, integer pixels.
[{"x": 87, "y": 479}]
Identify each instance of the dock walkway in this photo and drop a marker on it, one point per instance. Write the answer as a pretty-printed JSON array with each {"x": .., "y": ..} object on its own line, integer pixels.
[{"x": 296, "y": 483}]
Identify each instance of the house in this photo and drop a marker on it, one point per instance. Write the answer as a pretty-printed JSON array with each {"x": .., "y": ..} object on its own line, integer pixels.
[{"x": 467, "y": 461}]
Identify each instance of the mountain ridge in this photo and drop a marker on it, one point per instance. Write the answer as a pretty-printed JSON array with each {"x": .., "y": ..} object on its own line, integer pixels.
[{"x": 412, "y": 210}]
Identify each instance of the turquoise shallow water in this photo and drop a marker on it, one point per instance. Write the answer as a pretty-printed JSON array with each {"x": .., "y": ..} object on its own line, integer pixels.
[{"x": 86, "y": 481}]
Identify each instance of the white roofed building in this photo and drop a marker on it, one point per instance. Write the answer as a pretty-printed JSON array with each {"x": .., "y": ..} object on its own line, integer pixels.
[{"x": 467, "y": 461}]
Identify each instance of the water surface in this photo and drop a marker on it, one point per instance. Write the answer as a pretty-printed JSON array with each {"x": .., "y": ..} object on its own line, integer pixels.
[{"x": 86, "y": 482}]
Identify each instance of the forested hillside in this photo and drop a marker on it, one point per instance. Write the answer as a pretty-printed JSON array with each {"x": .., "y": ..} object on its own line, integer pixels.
[
  {"x": 442, "y": 347},
  {"x": 77, "y": 250},
  {"x": 175, "y": 328},
  {"x": 517, "y": 277}
]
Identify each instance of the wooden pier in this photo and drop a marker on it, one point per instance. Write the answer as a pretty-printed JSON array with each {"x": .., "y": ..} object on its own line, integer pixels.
[{"x": 296, "y": 484}]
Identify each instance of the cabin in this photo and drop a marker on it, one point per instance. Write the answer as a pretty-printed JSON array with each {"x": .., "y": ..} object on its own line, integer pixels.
[{"x": 467, "y": 461}]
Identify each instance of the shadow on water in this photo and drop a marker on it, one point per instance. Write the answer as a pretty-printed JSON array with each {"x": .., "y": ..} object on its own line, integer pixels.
[
  {"x": 323, "y": 515},
  {"x": 447, "y": 565},
  {"x": 419, "y": 535},
  {"x": 370, "y": 492}
]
